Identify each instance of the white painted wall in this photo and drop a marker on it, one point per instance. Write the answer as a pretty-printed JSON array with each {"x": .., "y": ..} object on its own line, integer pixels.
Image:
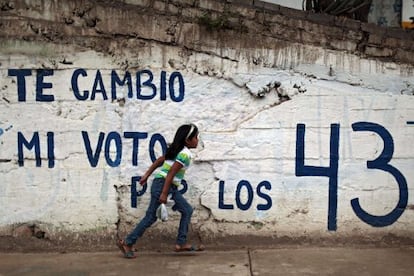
[
  {"x": 294, "y": 4},
  {"x": 245, "y": 140},
  {"x": 407, "y": 14}
]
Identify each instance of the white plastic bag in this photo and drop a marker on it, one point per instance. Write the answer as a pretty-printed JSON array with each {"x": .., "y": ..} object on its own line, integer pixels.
[{"x": 162, "y": 212}]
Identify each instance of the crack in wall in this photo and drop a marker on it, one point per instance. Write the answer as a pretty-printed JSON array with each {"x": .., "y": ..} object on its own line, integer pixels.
[{"x": 120, "y": 209}]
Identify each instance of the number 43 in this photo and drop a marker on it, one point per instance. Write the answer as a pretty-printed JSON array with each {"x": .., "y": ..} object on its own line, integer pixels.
[{"x": 380, "y": 163}]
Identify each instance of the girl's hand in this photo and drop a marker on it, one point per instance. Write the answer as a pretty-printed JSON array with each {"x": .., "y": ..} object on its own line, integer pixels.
[
  {"x": 163, "y": 198},
  {"x": 143, "y": 180}
]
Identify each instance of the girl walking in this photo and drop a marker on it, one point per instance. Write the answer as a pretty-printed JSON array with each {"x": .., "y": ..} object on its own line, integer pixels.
[{"x": 173, "y": 166}]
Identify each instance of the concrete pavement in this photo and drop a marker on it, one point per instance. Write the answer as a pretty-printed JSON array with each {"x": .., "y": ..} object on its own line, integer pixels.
[{"x": 277, "y": 261}]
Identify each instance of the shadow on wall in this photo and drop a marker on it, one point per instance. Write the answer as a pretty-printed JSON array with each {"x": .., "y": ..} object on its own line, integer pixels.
[{"x": 355, "y": 9}]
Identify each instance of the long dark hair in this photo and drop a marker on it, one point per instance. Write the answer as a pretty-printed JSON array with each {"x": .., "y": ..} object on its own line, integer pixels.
[{"x": 183, "y": 133}]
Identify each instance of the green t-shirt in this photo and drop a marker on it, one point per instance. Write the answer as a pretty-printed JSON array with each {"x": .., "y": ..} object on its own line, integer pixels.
[{"x": 183, "y": 157}]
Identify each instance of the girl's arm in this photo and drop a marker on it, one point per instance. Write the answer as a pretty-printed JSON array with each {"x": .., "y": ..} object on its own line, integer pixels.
[
  {"x": 168, "y": 180},
  {"x": 151, "y": 169}
]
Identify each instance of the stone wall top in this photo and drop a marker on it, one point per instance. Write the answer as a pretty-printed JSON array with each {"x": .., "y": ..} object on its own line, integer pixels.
[{"x": 199, "y": 25}]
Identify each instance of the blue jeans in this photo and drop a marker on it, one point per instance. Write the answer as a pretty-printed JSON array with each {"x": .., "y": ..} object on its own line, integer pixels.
[{"x": 181, "y": 205}]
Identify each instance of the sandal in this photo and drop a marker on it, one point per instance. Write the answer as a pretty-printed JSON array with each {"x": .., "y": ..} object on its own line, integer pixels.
[
  {"x": 125, "y": 249},
  {"x": 190, "y": 248}
]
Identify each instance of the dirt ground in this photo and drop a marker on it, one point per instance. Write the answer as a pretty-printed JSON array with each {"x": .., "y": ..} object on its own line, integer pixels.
[{"x": 284, "y": 261}]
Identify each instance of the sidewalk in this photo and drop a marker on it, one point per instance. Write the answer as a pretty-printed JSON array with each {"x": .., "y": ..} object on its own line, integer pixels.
[{"x": 258, "y": 262}]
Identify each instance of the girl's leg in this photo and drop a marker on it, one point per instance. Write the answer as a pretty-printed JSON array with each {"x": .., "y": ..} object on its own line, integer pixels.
[
  {"x": 150, "y": 215},
  {"x": 182, "y": 206}
]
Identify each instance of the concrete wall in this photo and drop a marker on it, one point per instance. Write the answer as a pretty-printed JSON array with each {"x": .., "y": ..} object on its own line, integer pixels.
[
  {"x": 305, "y": 122},
  {"x": 386, "y": 12}
]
